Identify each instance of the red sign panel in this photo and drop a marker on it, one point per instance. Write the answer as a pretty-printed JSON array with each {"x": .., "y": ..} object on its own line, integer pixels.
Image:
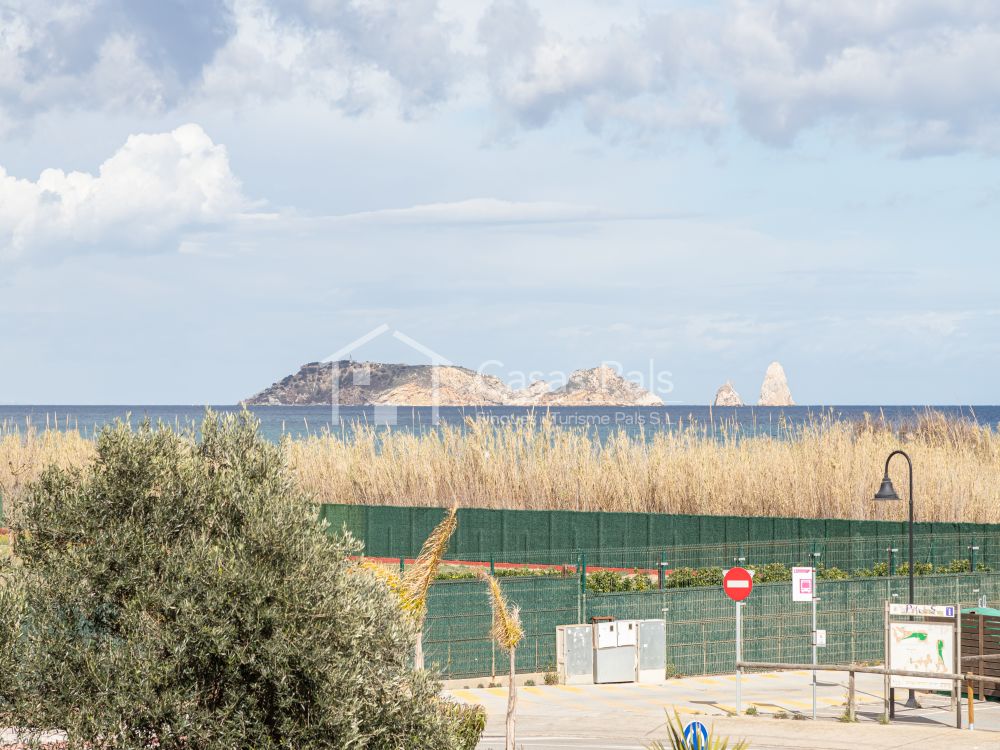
[{"x": 737, "y": 583}]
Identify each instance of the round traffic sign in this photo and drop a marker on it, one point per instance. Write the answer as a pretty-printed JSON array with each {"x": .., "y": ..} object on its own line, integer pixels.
[
  {"x": 696, "y": 736},
  {"x": 737, "y": 583}
]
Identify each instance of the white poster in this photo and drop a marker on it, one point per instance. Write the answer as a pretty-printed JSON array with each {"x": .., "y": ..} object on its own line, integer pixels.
[
  {"x": 922, "y": 647},
  {"x": 802, "y": 584}
]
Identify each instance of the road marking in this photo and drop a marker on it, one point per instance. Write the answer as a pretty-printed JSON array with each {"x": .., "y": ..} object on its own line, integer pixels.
[
  {"x": 466, "y": 695},
  {"x": 706, "y": 681}
]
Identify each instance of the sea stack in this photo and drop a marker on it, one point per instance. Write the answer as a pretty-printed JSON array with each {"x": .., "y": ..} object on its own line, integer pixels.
[
  {"x": 774, "y": 390},
  {"x": 727, "y": 396}
]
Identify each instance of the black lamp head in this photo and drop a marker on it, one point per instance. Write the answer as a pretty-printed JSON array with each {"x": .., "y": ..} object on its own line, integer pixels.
[{"x": 886, "y": 491}]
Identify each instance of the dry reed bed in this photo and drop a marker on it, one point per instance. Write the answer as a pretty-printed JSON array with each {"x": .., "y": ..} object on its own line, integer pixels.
[{"x": 827, "y": 468}]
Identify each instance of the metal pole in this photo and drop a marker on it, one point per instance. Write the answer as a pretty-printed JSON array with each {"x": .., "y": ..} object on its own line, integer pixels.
[
  {"x": 815, "y": 661},
  {"x": 911, "y": 702},
  {"x": 909, "y": 463},
  {"x": 739, "y": 658},
  {"x": 888, "y": 666}
]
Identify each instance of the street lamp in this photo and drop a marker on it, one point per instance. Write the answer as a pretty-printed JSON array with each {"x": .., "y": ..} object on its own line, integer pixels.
[{"x": 888, "y": 492}]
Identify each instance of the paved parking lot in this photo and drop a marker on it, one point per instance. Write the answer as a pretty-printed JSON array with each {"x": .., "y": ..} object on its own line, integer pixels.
[{"x": 629, "y": 716}]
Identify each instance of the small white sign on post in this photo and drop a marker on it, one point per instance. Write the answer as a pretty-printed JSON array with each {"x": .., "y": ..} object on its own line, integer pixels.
[
  {"x": 802, "y": 584},
  {"x": 820, "y": 638}
]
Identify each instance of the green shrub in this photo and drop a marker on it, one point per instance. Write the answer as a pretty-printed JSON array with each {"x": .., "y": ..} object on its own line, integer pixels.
[
  {"x": 772, "y": 573},
  {"x": 551, "y": 678},
  {"x": 179, "y": 593},
  {"x": 919, "y": 568},
  {"x": 685, "y": 577},
  {"x": 832, "y": 573},
  {"x": 955, "y": 566},
  {"x": 611, "y": 581},
  {"x": 468, "y": 723}
]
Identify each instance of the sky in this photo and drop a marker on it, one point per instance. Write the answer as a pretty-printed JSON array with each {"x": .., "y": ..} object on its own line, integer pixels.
[{"x": 199, "y": 196}]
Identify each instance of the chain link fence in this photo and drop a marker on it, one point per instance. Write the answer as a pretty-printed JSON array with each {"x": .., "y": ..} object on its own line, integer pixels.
[
  {"x": 848, "y": 554},
  {"x": 700, "y": 621}
]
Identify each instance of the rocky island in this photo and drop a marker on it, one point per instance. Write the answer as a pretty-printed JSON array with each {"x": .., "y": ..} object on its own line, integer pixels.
[
  {"x": 376, "y": 383},
  {"x": 727, "y": 395},
  {"x": 774, "y": 391}
]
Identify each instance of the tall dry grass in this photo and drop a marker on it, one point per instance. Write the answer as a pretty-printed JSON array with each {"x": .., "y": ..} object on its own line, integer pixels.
[
  {"x": 26, "y": 451},
  {"x": 827, "y": 468}
]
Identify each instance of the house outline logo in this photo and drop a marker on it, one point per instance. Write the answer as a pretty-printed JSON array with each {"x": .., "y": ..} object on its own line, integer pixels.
[{"x": 386, "y": 414}]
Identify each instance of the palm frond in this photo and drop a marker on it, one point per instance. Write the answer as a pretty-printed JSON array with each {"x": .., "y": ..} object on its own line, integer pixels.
[
  {"x": 418, "y": 577},
  {"x": 506, "y": 630}
]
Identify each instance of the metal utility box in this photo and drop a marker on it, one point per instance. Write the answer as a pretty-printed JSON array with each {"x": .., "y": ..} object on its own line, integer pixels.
[
  {"x": 605, "y": 634},
  {"x": 627, "y": 632},
  {"x": 614, "y": 664},
  {"x": 575, "y": 654},
  {"x": 651, "y": 661}
]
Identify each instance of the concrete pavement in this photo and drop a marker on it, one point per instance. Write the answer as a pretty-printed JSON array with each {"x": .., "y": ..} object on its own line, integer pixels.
[{"x": 616, "y": 717}]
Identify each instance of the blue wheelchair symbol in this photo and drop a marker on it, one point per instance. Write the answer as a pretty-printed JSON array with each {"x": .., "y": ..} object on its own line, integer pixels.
[{"x": 696, "y": 735}]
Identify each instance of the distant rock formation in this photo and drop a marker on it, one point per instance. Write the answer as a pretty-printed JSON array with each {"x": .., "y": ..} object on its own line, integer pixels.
[
  {"x": 599, "y": 386},
  {"x": 727, "y": 396},
  {"x": 774, "y": 390},
  {"x": 368, "y": 383}
]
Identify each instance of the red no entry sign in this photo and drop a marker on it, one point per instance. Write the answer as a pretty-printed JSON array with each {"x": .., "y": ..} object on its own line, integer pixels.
[{"x": 737, "y": 583}]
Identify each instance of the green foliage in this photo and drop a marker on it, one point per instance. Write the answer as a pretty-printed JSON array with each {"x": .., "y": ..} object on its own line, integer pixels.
[
  {"x": 832, "y": 573},
  {"x": 464, "y": 573},
  {"x": 468, "y": 723},
  {"x": 178, "y": 593},
  {"x": 686, "y": 577},
  {"x": 611, "y": 581},
  {"x": 772, "y": 573},
  {"x": 675, "y": 738},
  {"x": 956, "y": 566},
  {"x": 919, "y": 569},
  {"x": 551, "y": 678}
]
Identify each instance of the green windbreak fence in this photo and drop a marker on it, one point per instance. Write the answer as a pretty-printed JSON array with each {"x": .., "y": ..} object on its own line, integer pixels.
[
  {"x": 700, "y": 621},
  {"x": 644, "y": 540},
  {"x": 456, "y": 632}
]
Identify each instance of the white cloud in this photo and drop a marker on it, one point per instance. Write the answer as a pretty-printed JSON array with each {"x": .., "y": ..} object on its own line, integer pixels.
[
  {"x": 915, "y": 74},
  {"x": 148, "y": 191}
]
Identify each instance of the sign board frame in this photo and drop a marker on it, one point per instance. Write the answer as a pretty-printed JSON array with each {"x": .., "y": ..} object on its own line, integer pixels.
[
  {"x": 922, "y": 610},
  {"x": 802, "y": 585},
  {"x": 932, "y": 643}
]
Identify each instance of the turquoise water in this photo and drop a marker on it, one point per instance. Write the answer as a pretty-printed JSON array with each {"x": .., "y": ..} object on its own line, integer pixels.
[{"x": 297, "y": 421}]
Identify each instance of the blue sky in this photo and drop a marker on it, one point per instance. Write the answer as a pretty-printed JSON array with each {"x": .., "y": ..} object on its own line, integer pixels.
[{"x": 198, "y": 197}]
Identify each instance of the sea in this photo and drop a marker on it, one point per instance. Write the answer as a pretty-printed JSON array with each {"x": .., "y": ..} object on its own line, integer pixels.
[{"x": 600, "y": 422}]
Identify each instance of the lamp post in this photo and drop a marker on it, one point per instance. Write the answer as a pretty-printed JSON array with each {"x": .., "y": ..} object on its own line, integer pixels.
[{"x": 888, "y": 492}]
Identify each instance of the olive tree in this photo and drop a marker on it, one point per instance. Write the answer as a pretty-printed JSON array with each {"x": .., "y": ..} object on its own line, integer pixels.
[{"x": 179, "y": 593}]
